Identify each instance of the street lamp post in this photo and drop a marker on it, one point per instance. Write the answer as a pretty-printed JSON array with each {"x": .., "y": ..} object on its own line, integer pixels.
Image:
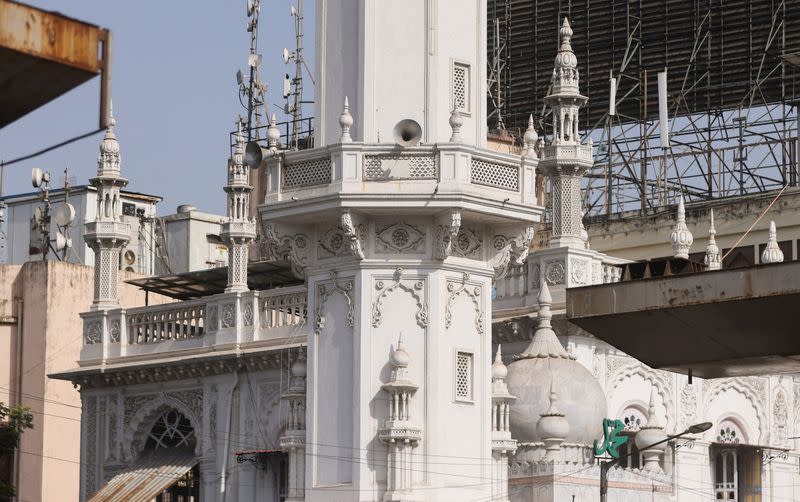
[{"x": 606, "y": 466}]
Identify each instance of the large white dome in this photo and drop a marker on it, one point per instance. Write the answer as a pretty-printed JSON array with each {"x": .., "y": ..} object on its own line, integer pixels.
[{"x": 545, "y": 361}]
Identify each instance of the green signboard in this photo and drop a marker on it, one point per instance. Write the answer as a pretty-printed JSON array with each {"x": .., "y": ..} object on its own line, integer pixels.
[{"x": 612, "y": 439}]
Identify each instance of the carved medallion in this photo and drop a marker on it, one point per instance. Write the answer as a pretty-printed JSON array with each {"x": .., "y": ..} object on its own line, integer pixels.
[
  {"x": 554, "y": 273},
  {"x": 400, "y": 238}
]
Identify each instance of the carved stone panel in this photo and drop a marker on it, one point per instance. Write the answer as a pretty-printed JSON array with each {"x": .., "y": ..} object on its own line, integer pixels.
[
  {"x": 416, "y": 287},
  {"x": 401, "y": 238}
]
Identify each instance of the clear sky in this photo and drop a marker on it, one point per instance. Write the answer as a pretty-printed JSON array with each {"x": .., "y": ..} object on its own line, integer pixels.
[{"x": 174, "y": 91}]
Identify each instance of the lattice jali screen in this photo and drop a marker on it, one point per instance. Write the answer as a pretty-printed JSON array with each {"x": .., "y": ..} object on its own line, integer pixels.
[
  {"x": 309, "y": 173},
  {"x": 495, "y": 174},
  {"x": 464, "y": 376},
  {"x": 398, "y": 167},
  {"x": 461, "y": 87},
  {"x": 567, "y": 212}
]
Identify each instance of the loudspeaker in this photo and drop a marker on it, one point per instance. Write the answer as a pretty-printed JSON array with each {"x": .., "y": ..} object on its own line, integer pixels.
[{"x": 407, "y": 132}]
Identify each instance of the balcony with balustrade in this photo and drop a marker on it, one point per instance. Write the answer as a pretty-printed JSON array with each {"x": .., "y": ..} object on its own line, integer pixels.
[
  {"x": 440, "y": 176},
  {"x": 260, "y": 319}
]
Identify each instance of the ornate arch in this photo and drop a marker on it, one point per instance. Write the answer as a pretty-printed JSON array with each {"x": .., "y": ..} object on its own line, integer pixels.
[
  {"x": 139, "y": 422},
  {"x": 324, "y": 291},
  {"x": 738, "y": 422},
  {"x": 751, "y": 388},
  {"x": 416, "y": 290},
  {"x": 471, "y": 291},
  {"x": 661, "y": 381}
]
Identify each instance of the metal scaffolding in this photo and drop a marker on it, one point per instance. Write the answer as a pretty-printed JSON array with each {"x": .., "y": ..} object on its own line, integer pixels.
[{"x": 732, "y": 69}]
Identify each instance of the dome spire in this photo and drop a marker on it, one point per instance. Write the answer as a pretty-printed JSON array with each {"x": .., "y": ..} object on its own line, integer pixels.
[
  {"x": 651, "y": 433},
  {"x": 529, "y": 139},
  {"x": 681, "y": 238},
  {"x": 109, "y": 159},
  {"x": 545, "y": 342},
  {"x": 552, "y": 426},
  {"x": 712, "y": 260},
  {"x": 772, "y": 253}
]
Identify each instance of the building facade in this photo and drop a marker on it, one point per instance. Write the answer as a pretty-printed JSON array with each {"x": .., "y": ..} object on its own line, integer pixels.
[{"x": 426, "y": 355}]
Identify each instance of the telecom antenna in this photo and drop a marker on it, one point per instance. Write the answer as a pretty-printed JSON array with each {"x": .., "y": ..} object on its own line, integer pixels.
[
  {"x": 255, "y": 89},
  {"x": 294, "y": 87}
]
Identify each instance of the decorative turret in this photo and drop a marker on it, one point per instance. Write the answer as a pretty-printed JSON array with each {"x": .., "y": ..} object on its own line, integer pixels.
[
  {"x": 239, "y": 229},
  {"x": 772, "y": 253},
  {"x": 273, "y": 135},
  {"x": 681, "y": 238},
  {"x": 502, "y": 444},
  {"x": 553, "y": 427},
  {"x": 107, "y": 235},
  {"x": 651, "y": 433},
  {"x": 399, "y": 432},
  {"x": 293, "y": 442},
  {"x": 713, "y": 260},
  {"x": 565, "y": 159}
]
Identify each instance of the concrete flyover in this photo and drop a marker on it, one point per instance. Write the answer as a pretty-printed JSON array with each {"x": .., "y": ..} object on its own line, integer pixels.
[{"x": 709, "y": 324}]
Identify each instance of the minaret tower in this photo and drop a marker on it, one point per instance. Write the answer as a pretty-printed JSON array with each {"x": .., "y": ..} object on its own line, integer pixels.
[
  {"x": 293, "y": 441},
  {"x": 108, "y": 234},
  {"x": 502, "y": 444},
  {"x": 565, "y": 159},
  {"x": 399, "y": 431},
  {"x": 239, "y": 229}
]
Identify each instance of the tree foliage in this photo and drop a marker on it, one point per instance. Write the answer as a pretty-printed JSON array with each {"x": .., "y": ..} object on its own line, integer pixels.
[{"x": 13, "y": 421}]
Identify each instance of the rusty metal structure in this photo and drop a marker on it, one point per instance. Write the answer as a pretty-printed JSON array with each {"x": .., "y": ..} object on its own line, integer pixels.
[
  {"x": 732, "y": 78},
  {"x": 45, "y": 54}
]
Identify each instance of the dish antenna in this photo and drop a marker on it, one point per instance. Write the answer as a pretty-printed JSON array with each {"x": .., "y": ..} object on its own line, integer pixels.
[
  {"x": 37, "y": 176},
  {"x": 62, "y": 242},
  {"x": 37, "y": 215},
  {"x": 292, "y": 11},
  {"x": 65, "y": 214},
  {"x": 287, "y": 56}
]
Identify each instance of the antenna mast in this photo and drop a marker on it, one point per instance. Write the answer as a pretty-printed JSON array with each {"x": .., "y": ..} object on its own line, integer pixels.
[
  {"x": 255, "y": 89},
  {"x": 296, "y": 108}
]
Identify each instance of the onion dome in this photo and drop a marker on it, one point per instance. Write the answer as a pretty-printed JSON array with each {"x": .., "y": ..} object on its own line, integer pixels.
[
  {"x": 580, "y": 395},
  {"x": 565, "y": 57},
  {"x": 772, "y": 253},
  {"x": 530, "y": 138},
  {"x": 109, "y": 158},
  {"x": 681, "y": 238},
  {"x": 273, "y": 134},
  {"x": 499, "y": 370}
]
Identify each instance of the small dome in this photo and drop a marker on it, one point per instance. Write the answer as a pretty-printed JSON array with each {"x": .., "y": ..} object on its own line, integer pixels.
[
  {"x": 499, "y": 369},
  {"x": 400, "y": 357},
  {"x": 580, "y": 396}
]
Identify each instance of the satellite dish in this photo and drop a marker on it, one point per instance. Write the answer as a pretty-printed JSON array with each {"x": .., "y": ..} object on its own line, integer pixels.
[
  {"x": 292, "y": 11},
  {"x": 239, "y": 77},
  {"x": 37, "y": 215},
  {"x": 36, "y": 177},
  {"x": 62, "y": 242},
  {"x": 65, "y": 214},
  {"x": 254, "y": 60},
  {"x": 286, "y": 55}
]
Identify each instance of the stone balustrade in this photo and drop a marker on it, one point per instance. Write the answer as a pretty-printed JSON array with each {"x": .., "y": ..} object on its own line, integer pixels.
[
  {"x": 358, "y": 168},
  {"x": 227, "y": 320}
]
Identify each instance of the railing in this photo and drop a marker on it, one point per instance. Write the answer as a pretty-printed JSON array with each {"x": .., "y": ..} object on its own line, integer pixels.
[
  {"x": 223, "y": 320},
  {"x": 179, "y": 321},
  {"x": 283, "y": 310}
]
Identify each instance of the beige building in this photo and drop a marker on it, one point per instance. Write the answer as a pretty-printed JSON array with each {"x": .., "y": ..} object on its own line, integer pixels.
[{"x": 40, "y": 333}]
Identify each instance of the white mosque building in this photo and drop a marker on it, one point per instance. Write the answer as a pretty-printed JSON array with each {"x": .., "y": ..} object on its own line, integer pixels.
[{"x": 419, "y": 350}]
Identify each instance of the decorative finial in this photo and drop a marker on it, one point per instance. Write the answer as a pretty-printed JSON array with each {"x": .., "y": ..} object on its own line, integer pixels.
[
  {"x": 545, "y": 342},
  {"x": 650, "y": 434},
  {"x": 772, "y": 253},
  {"x": 552, "y": 427},
  {"x": 346, "y": 122},
  {"x": 499, "y": 370},
  {"x": 681, "y": 237},
  {"x": 400, "y": 357},
  {"x": 712, "y": 260},
  {"x": 109, "y": 158},
  {"x": 456, "y": 121},
  {"x": 273, "y": 134},
  {"x": 529, "y": 139},
  {"x": 566, "y": 35}
]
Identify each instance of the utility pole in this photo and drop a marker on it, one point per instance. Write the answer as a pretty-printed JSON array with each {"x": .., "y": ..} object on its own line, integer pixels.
[{"x": 606, "y": 466}]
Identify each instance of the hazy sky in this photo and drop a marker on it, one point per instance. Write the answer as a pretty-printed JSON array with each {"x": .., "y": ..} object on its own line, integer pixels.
[{"x": 174, "y": 91}]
